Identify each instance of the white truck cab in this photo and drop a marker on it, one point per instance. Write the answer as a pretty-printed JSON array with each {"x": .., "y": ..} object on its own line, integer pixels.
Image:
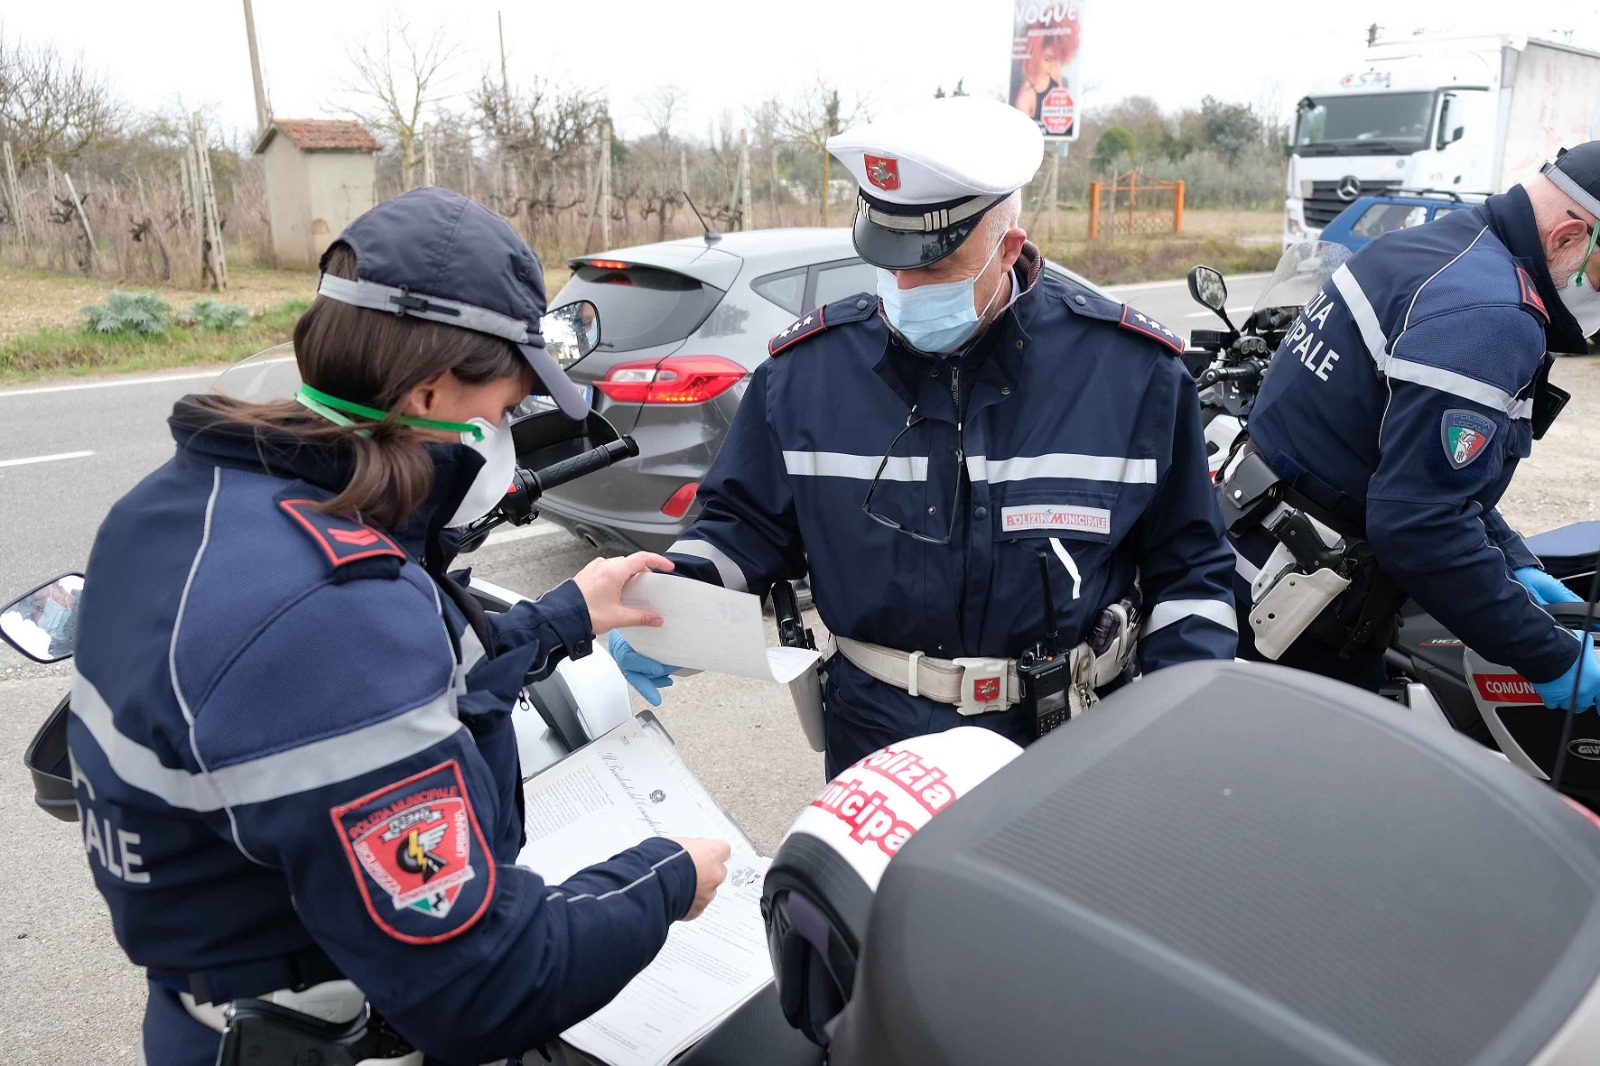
[{"x": 1469, "y": 115}]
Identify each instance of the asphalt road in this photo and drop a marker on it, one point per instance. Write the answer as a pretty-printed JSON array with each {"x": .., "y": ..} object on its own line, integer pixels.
[{"x": 67, "y": 452}]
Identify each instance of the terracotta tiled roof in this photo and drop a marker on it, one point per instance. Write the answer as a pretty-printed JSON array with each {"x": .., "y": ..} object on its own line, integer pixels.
[{"x": 320, "y": 134}]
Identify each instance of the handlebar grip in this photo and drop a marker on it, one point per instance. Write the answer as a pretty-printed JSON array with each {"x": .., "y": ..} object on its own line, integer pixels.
[
  {"x": 1229, "y": 373},
  {"x": 578, "y": 466}
]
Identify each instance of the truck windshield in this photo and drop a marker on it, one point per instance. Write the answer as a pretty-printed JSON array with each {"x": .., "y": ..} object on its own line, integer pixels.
[{"x": 1363, "y": 122}]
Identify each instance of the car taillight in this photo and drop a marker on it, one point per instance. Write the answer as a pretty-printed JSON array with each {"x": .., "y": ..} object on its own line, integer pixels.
[
  {"x": 607, "y": 264},
  {"x": 676, "y": 379},
  {"x": 677, "y": 504}
]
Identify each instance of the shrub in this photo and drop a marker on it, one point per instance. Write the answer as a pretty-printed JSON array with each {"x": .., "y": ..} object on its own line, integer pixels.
[
  {"x": 209, "y": 314},
  {"x": 130, "y": 312}
]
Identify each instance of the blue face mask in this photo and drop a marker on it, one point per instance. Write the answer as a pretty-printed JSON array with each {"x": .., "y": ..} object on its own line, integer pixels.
[
  {"x": 939, "y": 318},
  {"x": 592, "y": 336}
]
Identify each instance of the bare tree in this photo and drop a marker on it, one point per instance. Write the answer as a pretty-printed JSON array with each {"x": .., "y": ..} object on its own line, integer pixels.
[
  {"x": 540, "y": 132},
  {"x": 398, "y": 76},
  {"x": 817, "y": 114},
  {"x": 51, "y": 105},
  {"x": 662, "y": 107}
]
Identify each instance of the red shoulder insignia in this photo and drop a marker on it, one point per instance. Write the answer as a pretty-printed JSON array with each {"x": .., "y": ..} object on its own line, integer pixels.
[
  {"x": 1139, "y": 322},
  {"x": 1530, "y": 294},
  {"x": 418, "y": 855},
  {"x": 810, "y": 323},
  {"x": 341, "y": 539}
]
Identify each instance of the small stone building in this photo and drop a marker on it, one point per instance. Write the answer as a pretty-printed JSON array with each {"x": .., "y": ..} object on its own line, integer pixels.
[{"x": 319, "y": 176}]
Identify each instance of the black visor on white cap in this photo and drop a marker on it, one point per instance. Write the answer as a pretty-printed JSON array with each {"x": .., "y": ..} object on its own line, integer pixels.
[
  {"x": 1576, "y": 172},
  {"x": 904, "y": 237},
  {"x": 436, "y": 255}
]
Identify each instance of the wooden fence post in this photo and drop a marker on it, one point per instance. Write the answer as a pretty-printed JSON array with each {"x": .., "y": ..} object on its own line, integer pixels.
[
  {"x": 1094, "y": 210},
  {"x": 83, "y": 220},
  {"x": 1177, "y": 208},
  {"x": 13, "y": 197},
  {"x": 605, "y": 178}
]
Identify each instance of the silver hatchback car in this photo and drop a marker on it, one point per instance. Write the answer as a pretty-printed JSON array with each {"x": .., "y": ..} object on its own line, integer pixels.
[{"x": 682, "y": 325}]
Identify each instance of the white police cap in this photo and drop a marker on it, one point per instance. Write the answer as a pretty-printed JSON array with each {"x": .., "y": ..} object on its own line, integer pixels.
[{"x": 928, "y": 174}]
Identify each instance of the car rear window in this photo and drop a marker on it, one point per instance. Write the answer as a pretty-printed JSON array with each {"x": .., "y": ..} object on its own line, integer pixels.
[
  {"x": 787, "y": 290},
  {"x": 641, "y": 306},
  {"x": 838, "y": 280}
]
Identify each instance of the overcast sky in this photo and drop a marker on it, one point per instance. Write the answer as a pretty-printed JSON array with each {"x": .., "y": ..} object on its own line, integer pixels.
[{"x": 727, "y": 54}]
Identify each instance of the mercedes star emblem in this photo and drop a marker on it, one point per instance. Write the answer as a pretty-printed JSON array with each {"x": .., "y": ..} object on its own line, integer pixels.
[{"x": 1349, "y": 188}]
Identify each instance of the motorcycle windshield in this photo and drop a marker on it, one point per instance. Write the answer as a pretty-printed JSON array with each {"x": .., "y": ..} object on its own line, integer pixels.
[
  {"x": 1301, "y": 272},
  {"x": 268, "y": 375}
]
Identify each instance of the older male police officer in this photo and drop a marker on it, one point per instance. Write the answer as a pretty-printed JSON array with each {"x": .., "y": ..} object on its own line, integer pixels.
[
  {"x": 1395, "y": 414},
  {"x": 979, "y": 443}
]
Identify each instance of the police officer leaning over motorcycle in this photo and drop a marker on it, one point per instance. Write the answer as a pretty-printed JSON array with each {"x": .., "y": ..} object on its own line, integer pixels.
[
  {"x": 1394, "y": 415},
  {"x": 985, "y": 469},
  {"x": 292, "y": 753}
]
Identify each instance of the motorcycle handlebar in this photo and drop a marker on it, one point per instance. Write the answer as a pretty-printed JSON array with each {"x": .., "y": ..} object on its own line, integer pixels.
[
  {"x": 528, "y": 485},
  {"x": 556, "y": 474},
  {"x": 1229, "y": 373}
]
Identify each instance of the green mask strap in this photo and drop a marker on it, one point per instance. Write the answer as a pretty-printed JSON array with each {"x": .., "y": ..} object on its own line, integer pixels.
[
  {"x": 330, "y": 406},
  {"x": 1583, "y": 268}
]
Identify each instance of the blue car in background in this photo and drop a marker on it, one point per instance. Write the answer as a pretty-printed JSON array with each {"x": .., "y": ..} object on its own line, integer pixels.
[{"x": 1370, "y": 217}]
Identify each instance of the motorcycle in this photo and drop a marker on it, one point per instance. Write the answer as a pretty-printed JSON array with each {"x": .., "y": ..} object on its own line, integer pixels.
[{"x": 1429, "y": 669}]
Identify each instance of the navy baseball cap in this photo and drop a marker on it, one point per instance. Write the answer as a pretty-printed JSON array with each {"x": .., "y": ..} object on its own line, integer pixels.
[
  {"x": 1576, "y": 172},
  {"x": 436, "y": 255}
]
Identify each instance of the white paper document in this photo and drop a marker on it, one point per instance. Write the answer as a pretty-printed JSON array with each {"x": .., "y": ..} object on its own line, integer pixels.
[
  {"x": 618, "y": 790},
  {"x": 707, "y": 627}
]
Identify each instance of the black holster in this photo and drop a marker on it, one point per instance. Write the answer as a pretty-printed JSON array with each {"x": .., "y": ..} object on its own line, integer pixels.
[
  {"x": 1367, "y": 614},
  {"x": 264, "y": 1034}
]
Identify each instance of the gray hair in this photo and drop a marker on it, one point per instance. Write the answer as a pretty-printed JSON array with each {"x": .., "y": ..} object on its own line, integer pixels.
[{"x": 1001, "y": 217}]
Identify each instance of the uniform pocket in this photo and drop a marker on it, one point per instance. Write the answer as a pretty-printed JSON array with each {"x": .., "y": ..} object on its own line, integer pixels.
[{"x": 1074, "y": 530}]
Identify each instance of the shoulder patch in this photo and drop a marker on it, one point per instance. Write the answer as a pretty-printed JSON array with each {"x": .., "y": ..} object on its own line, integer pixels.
[
  {"x": 418, "y": 856},
  {"x": 1139, "y": 322},
  {"x": 1464, "y": 434},
  {"x": 841, "y": 312},
  {"x": 1530, "y": 294},
  {"x": 341, "y": 539}
]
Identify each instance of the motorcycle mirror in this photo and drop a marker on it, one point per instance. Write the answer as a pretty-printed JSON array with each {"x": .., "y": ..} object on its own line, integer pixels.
[
  {"x": 571, "y": 332},
  {"x": 42, "y": 623}
]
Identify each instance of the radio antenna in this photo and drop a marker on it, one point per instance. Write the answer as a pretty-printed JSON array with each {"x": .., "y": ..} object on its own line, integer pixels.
[
  {"x": 1050, "y": 635},
  {"x": 712, "y": 236}
]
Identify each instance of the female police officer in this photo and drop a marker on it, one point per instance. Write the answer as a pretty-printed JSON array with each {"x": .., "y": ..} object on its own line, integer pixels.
[{"x": 293, "y": 756}]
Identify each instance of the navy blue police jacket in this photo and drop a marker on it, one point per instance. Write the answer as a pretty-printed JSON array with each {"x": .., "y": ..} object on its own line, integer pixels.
[
  {"x": 1078, "y": 432},
  {"x": 1401, "y": 399},
  {"x": 294, "y": 761}
]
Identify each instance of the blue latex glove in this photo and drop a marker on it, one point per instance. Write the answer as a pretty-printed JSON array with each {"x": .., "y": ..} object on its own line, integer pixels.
[
  {"x": 1558, "y": 693},
  {"x": 649, "y": 677},
  {"x": 1545, "y": 589}
]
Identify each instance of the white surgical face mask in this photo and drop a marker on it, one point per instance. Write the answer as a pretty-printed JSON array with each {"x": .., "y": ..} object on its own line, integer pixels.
[
  {"x": 936, "y": 318},
  {"x": 1583, "y": 302},
  {"x": 489, "y": 487}
]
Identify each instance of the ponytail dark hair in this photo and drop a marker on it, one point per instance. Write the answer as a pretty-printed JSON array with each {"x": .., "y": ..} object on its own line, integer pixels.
[{"x": 373, "y": 358}]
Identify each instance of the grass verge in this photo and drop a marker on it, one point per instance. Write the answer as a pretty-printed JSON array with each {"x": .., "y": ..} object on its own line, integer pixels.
[
  {"x": 72, "y": 351},
  {"x": 1129, "y": 261}
]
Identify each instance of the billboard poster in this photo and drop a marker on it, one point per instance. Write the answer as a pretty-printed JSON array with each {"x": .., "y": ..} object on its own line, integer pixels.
[{"x": 1045, "y": 84}]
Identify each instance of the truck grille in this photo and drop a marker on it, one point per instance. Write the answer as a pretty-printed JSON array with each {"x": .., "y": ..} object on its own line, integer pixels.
[{"x": 1324, "y": 204}]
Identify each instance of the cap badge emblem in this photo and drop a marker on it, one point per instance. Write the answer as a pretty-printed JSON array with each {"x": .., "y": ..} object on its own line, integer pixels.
[{"x": 883, "y": 172}]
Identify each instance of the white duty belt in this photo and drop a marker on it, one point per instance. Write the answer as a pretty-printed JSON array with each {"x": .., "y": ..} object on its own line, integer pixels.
[{"x": 963, "y": 683}]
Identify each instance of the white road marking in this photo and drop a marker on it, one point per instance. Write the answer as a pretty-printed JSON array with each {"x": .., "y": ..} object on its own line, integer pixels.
[
  {"x": 533, "y": 529},
  {"x": 111, "y": 383},
  {"x": 1208, "y": 313},
  {"x": 1175, "y": 283},
  {"x": 45, "y": 458}
]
